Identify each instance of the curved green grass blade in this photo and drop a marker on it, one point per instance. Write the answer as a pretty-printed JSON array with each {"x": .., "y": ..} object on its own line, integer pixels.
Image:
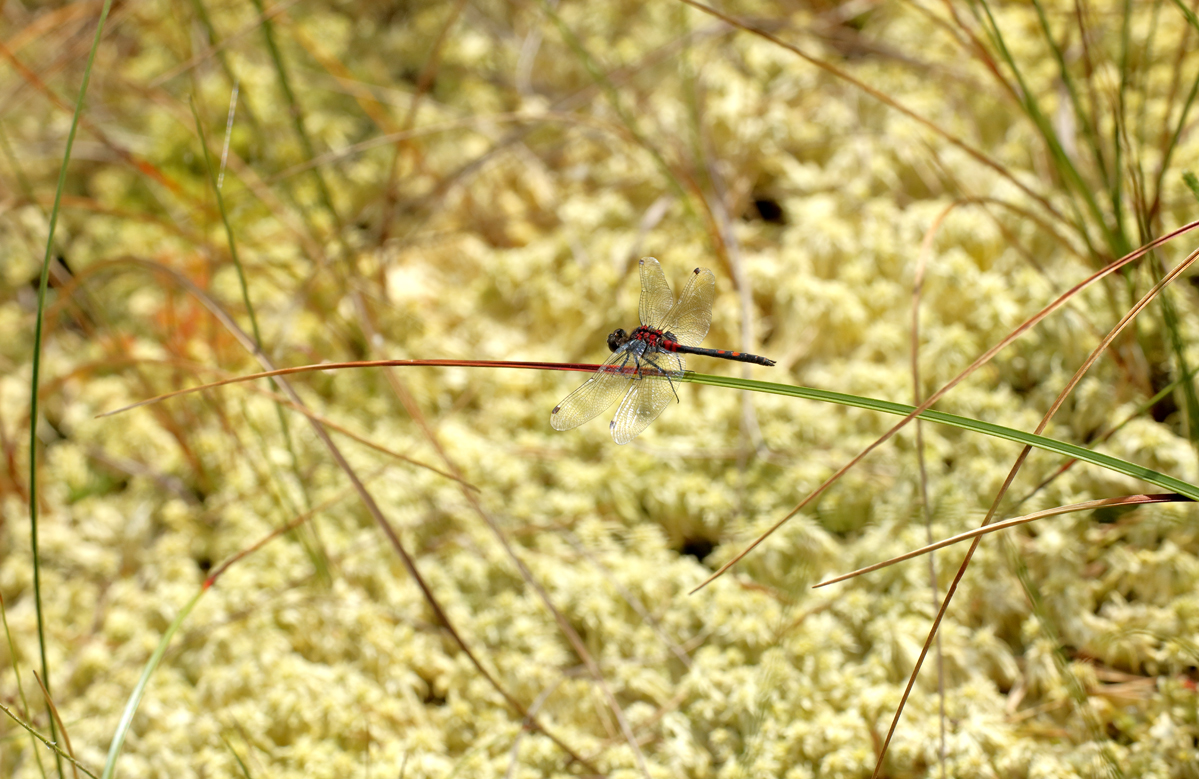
[
  {"x": 43, "y": 283},
  {"x": 940, "y": 417},
  {"x": 135, "y": 699}
]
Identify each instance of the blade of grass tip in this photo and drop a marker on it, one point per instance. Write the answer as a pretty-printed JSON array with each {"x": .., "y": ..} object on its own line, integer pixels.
[
  {"x": 43, "y": 283},
  {"x": 220, "y": 176},
  {"x": 139, "y": 690},
  {"x": 965, "y": 423},
  {"x": 1192, "y": 183},
  {"x": 994, "y": 527}
]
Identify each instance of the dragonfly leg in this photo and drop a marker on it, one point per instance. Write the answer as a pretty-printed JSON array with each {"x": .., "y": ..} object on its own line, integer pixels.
[{"x": 665, "y": 373}]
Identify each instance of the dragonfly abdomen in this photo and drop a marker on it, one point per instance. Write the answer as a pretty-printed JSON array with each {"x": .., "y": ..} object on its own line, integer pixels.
[{"x": 721, "y": 353}]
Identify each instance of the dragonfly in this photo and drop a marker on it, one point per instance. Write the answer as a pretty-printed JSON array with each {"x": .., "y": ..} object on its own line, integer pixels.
[{"x": 646, "y": 362}]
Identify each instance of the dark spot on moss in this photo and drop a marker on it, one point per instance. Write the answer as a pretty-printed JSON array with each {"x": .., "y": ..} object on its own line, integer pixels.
[{"x": 699, "y": 548}]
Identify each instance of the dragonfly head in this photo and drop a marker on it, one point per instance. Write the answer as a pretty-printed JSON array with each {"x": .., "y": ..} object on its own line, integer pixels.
[{"x": 617, "y": 339}]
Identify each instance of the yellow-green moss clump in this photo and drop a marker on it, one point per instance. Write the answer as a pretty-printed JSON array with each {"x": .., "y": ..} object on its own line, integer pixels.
[{"x": 466, "y": 188}]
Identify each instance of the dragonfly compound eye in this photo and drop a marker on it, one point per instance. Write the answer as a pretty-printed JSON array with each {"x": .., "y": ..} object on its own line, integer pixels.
[{"x": 617, "y": 339}]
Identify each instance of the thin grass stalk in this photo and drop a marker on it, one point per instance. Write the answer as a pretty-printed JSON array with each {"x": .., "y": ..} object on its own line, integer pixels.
[
  {"x": 43, "y": 284},
  {"x": 1173, "y": 327},
  {"x": 995, "y": 527},
  {"x": 62, "y": 726},
  {"x": 1086, "y": 120},
  {"x": 1078, "y": 694},
  {"x": 311, "y": 548},
  {"x": 218, "y": 50},
  {"x": 293, "y": 106},
  {"x": 626, "y": 118},
  {"x": 1078, "y": 186},
  {"x": 240, "y": 763},
  {"x": 18, "y": 170},
  {"x": 1118, "y": 124}
]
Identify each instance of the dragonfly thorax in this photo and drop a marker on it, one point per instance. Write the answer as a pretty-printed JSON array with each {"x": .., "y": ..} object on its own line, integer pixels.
[{"x": 642, "y": 338}]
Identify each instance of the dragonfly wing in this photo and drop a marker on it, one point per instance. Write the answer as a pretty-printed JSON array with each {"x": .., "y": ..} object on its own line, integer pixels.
[
  {"x": 656, "y": 298},
  {"x": 691, "y": 317},
  {"x": 648, "y": 398},
  {"x": 595, "y": 395}
]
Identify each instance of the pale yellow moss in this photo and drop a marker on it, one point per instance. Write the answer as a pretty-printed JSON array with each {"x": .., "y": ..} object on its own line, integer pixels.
[{"x": 531, "y": 254}]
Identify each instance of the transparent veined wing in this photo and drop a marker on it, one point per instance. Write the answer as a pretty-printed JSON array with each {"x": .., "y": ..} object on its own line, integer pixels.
[
  {"x": 648, "y": 397},
  {"x": 691, "y": 317},
  {"x": 656, "y": 298},
  {"x": 594, "y": 396}
]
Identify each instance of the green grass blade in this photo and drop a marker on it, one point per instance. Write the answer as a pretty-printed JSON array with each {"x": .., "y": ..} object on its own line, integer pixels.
[
  {"x": 220, "y": 202},
  {"x": 139, "y": 690},
  {"x": 43, "y": 283},
  {"x": 940, "y": 417}
]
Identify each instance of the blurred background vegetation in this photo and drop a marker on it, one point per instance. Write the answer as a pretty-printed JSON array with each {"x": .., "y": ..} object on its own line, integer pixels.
[{"x": 476, "y": 179}]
